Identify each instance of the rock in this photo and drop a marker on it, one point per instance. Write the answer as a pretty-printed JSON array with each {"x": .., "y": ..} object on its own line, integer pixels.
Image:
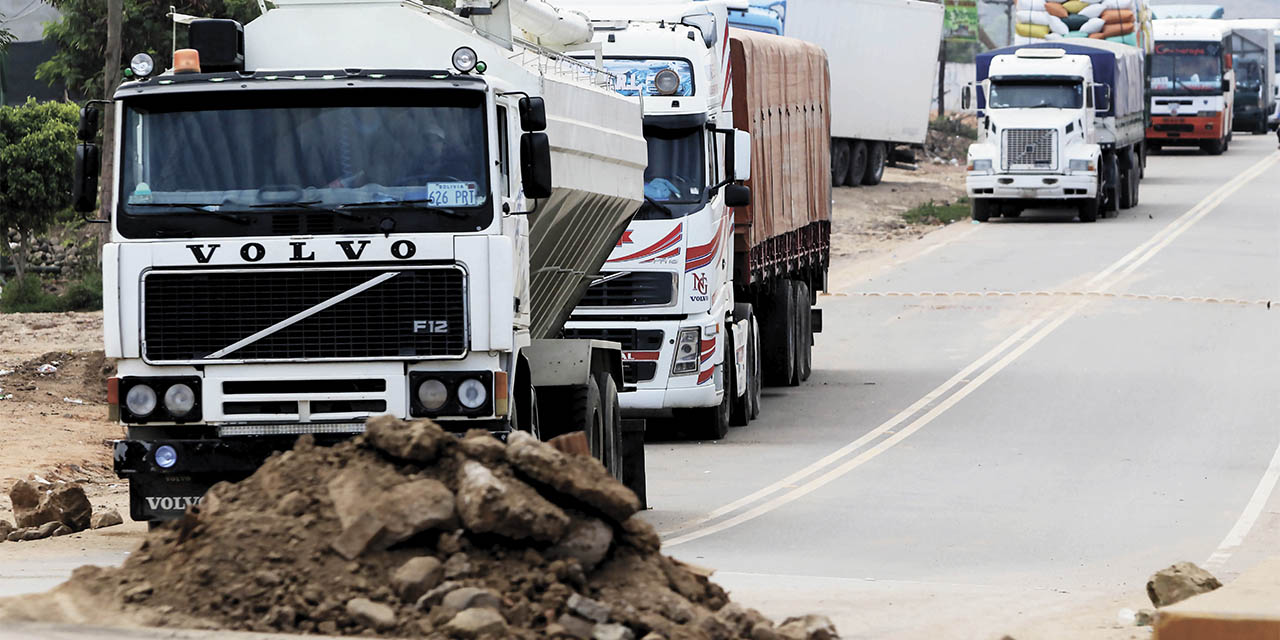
[
  {"x": 481, "y": 445},
  {"x": 587, "y": 540},
  {"x": 810, "y": 627},
  {"x": 640, "y": 535},
  {"x": 436, "y": 595},
  {"x": 393, "y": 516},
  {"x": 511, "y": 508},
  {"x": 416, "y": 577},
  {"x": 28, "y": 510},
  {"x": 419, "y": 441},
  {"x": 43, "y": 531},
  {"x": 612, "y": 632},
  {"x": 763, "y": 631},
  {"x": 472, "y": 598},
  {"x": 576, "y": 627},
  {"x": 476, "y": 623},
  {"x": 15, "y": 535},
  {"x": 587, "y": 608},
  {"x": 71, "y": 505},
  {"x": 1179, "y": 582},
  {"x": 582, "y": 478},
  {"x": 374, "y": 615},
  {"x": 457, "y": 566},
  {"x": 6, "y": 528},
  {"x": 293, "y": 504},
  {"x": 61, "y": 530},
  {"x": 1144, "y": 618},
  {"x": 653, "y": 636},
  {"x": 66, "y": 503},
  {"x": 281, "y": 616},
  {"x": 138, "y": 593},
  {"x": 108, "y": 518},
  {"x": 739, "y": 619}
]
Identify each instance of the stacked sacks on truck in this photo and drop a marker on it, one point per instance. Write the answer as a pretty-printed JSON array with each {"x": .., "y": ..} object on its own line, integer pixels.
[{"x": 1124, "y": 21}]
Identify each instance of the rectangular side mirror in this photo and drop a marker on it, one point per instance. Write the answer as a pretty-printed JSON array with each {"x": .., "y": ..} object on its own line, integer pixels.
[
  {"x": 533, "y": 114},
  {"x": 966, "y": 97},
  {"x": 738, "y": 156},
  {"x": 1101, "y": 97},
  {"x": 535, "y": 165},
  {"x": 1226, "y": 85},
  {"x": 84, "y": 188},
  {"x": 88, "y": 130},
  {"x": 737, "y": 195}
]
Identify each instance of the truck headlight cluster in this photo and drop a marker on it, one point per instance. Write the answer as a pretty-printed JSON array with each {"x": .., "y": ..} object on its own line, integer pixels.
[
  {"x": 1084, "y": 166},
  {"x": 980, "y": 165},
  {"x": 688, "y": 352},
  {"x": 447, "y": 393},
  {"x": 160, "y": 400}
]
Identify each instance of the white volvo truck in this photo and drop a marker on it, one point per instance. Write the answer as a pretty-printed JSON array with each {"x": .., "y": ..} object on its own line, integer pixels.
[
  {"x": 1061, "y": 124},
  {"x": 353, "y": 208}
]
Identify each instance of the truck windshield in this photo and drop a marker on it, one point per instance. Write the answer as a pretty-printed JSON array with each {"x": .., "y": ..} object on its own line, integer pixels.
[
  {"x": 1036, "y": 95},
  {"x": 1184, "y": 68},
  {"x": 341, "y": 151},
  {"x": 674, "y": 180}
]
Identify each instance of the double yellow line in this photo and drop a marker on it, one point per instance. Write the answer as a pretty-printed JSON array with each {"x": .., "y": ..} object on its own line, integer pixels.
[{"x": 946, "y": 395}]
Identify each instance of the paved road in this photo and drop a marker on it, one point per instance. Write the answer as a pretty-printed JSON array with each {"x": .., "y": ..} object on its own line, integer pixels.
[{"x": 1014, "y": 420}]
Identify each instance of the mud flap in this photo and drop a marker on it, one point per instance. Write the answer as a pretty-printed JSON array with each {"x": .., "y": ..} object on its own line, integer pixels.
[{"x": 165, "y": 497}]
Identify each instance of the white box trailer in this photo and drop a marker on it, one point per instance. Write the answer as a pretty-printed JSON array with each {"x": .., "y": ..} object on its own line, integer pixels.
[
  {"x": 1253, "y": 48},
  {"x": 883, "y": 56}
]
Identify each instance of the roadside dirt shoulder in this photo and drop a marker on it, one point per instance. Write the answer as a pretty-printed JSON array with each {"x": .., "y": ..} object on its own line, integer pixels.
[{"x": 868, "y": 220}]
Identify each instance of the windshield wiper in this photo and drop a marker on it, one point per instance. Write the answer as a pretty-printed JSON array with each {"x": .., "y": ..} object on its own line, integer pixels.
[
  {"x": 309, "y": 205},
  {"x": 421, "y": 205},
  {"x": 659, "y": 206},
  {"x": 202, "y": 208}
]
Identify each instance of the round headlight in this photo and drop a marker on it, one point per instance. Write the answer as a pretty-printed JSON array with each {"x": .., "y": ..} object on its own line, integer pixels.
[
  {"x": 432, "y": 394},
  {"x": 667, "y": 82},
  {"x": 142, "y": 65},
  {"x": 141, "y": 400},
  {"x": 179, "y": 400},
  {"x": 464, "y": 59},
  {"x": 471, "y": 393},
  {"x": 165, "y": 456}
]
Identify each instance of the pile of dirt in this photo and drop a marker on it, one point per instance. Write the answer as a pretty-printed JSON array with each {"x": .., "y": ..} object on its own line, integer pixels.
[{"x": 408, "y": 531}]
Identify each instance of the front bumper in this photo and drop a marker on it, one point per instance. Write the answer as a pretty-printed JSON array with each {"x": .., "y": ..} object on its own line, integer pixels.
[
  {"x": 654, "y": 402},
  {"x": 1174, "y": 128},
  {"x": 1032, "y": 186}
]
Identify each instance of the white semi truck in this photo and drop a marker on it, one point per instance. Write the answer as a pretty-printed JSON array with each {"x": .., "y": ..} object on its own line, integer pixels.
[
  {"x": 703, "y": 315},
  {"x": 1061, "y": 124},
  {"x": 353, "y": 208}
]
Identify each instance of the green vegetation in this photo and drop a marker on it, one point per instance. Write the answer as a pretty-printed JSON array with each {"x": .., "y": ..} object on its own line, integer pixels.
[
  {"x": 37, "y": 151},
  {"x": 954, "y": 127},
  {"x": 28, "y": 295},
  {"x": 933, "y": 213}
]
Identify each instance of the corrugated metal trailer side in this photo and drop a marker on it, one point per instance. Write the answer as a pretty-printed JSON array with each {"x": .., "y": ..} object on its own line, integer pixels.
[{"x": 781, "y": 95}]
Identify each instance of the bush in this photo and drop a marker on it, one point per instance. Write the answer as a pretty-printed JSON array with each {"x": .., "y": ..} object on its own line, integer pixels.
[
  {"x": 938, "y": 213},
  {"x": 27, "y": 295}
]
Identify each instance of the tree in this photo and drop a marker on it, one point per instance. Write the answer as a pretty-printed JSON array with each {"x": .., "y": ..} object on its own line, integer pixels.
[
  {"x": 37, "y": 154},
  {"x": 6, "y": 36},
  {"x": 81, "y": 36}
]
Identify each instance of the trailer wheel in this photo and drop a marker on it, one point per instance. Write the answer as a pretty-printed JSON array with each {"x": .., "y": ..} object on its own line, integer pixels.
[
  {"x": 778, "y": 352},
  {"x": 755, "y": 383},
  {"x": 857, "y": 162},
  {"x": 981, "y": 208},
  {"x": 875, "y": 164},
  {"x": 741, "y": 405},
  {"x": 611, "y": 440},
  {"x": 804, "y": 333},
  {"x": 839, "y": 162},
  {"x": 586, "y": 415}
]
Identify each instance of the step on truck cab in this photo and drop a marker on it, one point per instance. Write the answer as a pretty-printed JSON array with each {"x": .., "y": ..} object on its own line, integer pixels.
[
  {"x": 355, "y": 208},
  {"x": 1060, "y": 125},
  {"x": 698, "y": 332},
  {"x": 1192, "y": 85}
]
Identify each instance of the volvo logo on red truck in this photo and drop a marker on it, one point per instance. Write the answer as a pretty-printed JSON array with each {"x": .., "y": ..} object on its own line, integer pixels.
[{"x": 301, "y": 251}]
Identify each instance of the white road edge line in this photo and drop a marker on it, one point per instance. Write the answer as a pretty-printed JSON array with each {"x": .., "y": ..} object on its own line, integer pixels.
[{"x": 1129, "y": 262}]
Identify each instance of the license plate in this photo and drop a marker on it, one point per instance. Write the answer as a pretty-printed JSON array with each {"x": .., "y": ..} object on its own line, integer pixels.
[
  {"x": 1029, "y": 193},
  {"x": 453, "y": 194}
]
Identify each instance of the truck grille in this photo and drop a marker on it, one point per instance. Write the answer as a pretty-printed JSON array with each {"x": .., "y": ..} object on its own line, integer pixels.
[
  {"x": 632, "y": 340},
  {"x": 1030, "y": 149},
  {"x": 190, "y": 316},
  {"x": 634, "y": 289}
]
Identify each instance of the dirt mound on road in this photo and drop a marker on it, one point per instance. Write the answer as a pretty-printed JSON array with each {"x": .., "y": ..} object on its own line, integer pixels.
[{"x": 407, "y": 531}]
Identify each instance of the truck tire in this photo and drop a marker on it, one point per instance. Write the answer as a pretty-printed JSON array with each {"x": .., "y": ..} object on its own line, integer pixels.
[
  {"x": 611, "y": 449},
  {"x": 740, "y": 415},
  {"x": 875, "y": 164},
  {"x": 778, "y": 340},
  {"x": 1214, "y": 147},
  {"x": 711, "y": 423},
  {"x": 804, "y": 333},
  {"x": 1111, "y": 185},
  {"x": 981, "y": 208},
  {"x": 1089, "y": 209},
  {"x": 587, "y": 415},
  {"x": 756, "y": 383},
  {"x": 857, "y": 162},
  {"x": 839, "y": 162}
]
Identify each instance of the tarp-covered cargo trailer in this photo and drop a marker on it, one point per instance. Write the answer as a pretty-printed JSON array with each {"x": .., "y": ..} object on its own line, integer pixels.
[
  {"x": 1118, "y": 66},
  {"x": 781, "y": 96},
  {"x": 572, "y": 232}
]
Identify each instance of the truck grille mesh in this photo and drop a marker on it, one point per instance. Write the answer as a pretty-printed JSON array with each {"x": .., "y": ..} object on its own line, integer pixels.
[
  {"x": 190, "y": 315},
  {"x": 1030, "y": 149},
  {"x": 637, "y": 288}
]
